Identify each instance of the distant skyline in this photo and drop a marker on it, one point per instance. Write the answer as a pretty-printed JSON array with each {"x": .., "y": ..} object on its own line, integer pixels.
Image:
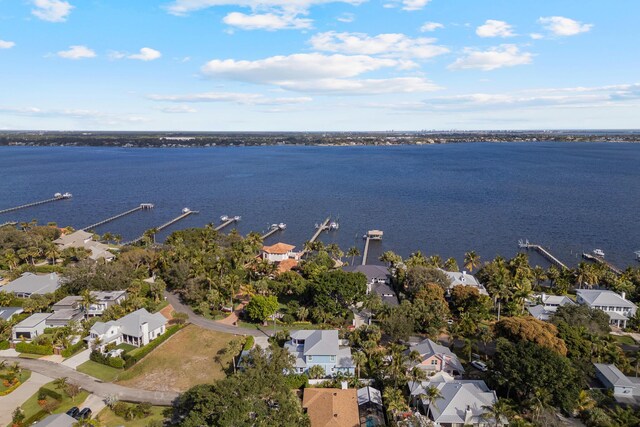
[{"x": 319, "y": 65}]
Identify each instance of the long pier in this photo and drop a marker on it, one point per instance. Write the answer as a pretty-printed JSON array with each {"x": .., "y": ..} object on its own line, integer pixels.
[
  {"x": 185, "y": 213},
  {"x": 324, "y": 226},
  {"x": 371, "y": 235},
  {"x": 8, "y": 223},
  {"x": 602, "y": 261},
  {"x": 226, "y": 222},
  {"x": 542, "y": 251},
  {"x": 142, "y": 206},
  {"x": 55, "y": 198},
  {"x": 273, "y": 229}
]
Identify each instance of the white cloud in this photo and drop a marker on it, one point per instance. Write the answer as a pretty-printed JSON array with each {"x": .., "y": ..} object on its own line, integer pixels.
[
  {"x": 561, "y": 26},
  {"x": 267, "y": 21},
  {"x": 428, "y": 27},
  {"x": 389, "y": 45},
  {"x": 178, "y": 109},
  {"x": 414, "y": 4},
  {"x": 51, "y": 10},
  {"x": 183, "y": 7},
  {"x": 494, "y": 28},
  {"x": 346, "y": 18},
  {"x": 506, "y": 55},
  {"x": 232, "y": 97},
  {"x": 77, "y": 52},
  {"x": 6, "y": 44},
  {"x": 536, "y": 36},
  {"x": 362, "y": 86},
  {"x": 114, "y": 54},
  {"x": 146, "y": 54},
  {"x": 92, "y": 116}
]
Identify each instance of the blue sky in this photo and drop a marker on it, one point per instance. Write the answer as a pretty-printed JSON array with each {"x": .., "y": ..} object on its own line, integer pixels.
[{"x": 319, "y": 65}]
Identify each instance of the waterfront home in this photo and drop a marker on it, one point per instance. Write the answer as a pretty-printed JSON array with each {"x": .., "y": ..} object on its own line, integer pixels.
[
  {"x": 378, "y": 280},
  {"x": 7, "y": 313},
  {"x": 83, "y": 239},
  {"x": 331, "y": 407},
  {"x": 370, "y": 407},
  {"x": 463, "y": 278},
  {"x": 137, "y": 328},
  {"x": 30, "y": 327},
  {"x": 33, "y": 284},
  {"x": 615, "y": 305},
  {"x": 435, "y": 357},
  {"x": 463, "y": 402},
  {"x": 104, "y": 300},
  {"x": 320, "y": 348},
  {"x": 278, "y": 252},
  {"x": 625, "y": 389},
  {"x": 70, "y": 302},
  {"x": 548, "y": 306}
]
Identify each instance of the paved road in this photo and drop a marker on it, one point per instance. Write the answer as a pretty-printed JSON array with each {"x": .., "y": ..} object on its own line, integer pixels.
[
  {"x": 78, "y": 359},
  {"x": 92, "y": 385},
  {"x": 209, "y": 324},
  {"x": 10, "y": 402}
]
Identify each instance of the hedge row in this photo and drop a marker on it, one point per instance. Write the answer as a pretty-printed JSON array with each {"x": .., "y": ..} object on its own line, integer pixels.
[
  {"x": 26, "y": 347},
  {"x": 70, "y": 351},
  {"x": 44, "y": 392},
  {"x": 114, "y": 362},
  {"x": 296, "y": 380},
  {"x": 135, "y": 356},
  {"x": 248, "y": 344},
  {"x": 4, "y": 345},
  {"x": 10, "y": 389}
]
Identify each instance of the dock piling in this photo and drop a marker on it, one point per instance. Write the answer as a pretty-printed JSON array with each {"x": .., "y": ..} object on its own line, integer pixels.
[{"x": 55, "y": 198}]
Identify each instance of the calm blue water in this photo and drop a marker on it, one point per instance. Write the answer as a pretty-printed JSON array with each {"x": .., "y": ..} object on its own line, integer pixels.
[{"x": 444, "y": 199}]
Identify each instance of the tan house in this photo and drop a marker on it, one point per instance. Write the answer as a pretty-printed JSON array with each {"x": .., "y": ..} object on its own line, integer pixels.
[
  {"x": 331, "y": 407},
  {"x": 278, "y": 252}
]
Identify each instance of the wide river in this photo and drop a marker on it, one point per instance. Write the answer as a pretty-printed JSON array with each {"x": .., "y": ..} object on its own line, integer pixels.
[{"x": 440, "y": 199}]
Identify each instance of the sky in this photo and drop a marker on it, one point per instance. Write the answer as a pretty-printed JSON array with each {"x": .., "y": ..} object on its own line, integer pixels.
[{"x": 319, "y": 65}]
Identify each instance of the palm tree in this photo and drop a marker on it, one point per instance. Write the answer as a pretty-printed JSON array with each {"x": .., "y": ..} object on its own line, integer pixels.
[
  {"x": 302, "y": 313},
  {"x": 233, "y": 348},
  {"x": 52, "y": 252},
  {"x": 431, "y": 395},
  {"x": 359, "y": 359},
  {"x": 394, "y": 400},
  {"x": 497, "y": 412},
  {"x": 451, "y": 264},
  {"x": 353, "y": 252},
  {"x": 87, "y": 299},
  {"x": 60, "y": 383},
  {"x": 11, "y": 259},
  {"x": 471, "y": 260}
]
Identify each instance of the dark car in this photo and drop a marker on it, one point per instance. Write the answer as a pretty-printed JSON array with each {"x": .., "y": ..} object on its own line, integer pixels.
[
  {"x": 85, "y": 414},
  {"x": 73, "y": 412}
]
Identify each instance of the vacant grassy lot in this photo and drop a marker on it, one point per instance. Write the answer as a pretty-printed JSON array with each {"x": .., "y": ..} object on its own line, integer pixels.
[
  {"x": 100, "y": 371},
  {"x": 186, "y": 359},
  {"x": 108, "y": 419}
]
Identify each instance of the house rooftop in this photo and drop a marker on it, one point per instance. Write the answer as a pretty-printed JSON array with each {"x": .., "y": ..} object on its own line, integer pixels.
[
  {"x": 331, "y": 407},
  {"x": 278, "y": 249},
  {"x": 613, "y": 375},
  {"x": 69, "y": 300},
  {"x": 107, "y": 295},
  {"x": 373, "y": 272},
  {"x": 428, "y": 348},
  {"x": 57, "y": 420},
  {"x": 131, "y": 322},
  {"x": 369, "y": 394},
  {"x": 600, "y": 297},
  {"x": 33, "y": 320},
  {"x": 7, "y": 313},
  {"x": 30, "y": 283}
]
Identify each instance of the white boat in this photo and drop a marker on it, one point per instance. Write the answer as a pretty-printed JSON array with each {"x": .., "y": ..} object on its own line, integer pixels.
[
  {"x": 67, "y": 195},
  {"x": 333, "y": 225},
  {"x": 273, "y": 226},
  {"x": 237, "y": 218},
  {"x": 57, "y": 195},
  {"x": 637, "y": 255},
  {"x": 186, "y": 210},
  {"x": 282, "y": 226},
  {"x": 224, "y": 218},
  {"x": 598, "y": 252}
]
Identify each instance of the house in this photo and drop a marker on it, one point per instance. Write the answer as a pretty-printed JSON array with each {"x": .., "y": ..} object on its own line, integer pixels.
[
  {"x": 625, "y": 389},
  {"x": 548, "y": 306},
  {"x": 370, "y": 407},
  {"x": 30, "y": 327},
  {"x": 137, "y": 328},
  {"x": 104, "y": 300},
  {"x": 83, "y": 239},
  {"x": 436, "y": 358},
  {"x": 65, "y": 317},
  {"x": 6, "y": 313},
  {"x": 278, "y": 252},
  {"x": 57, "y": 420},
  {"x": 70, "y": 302},
  {"x": 463, "y": 278},
  {"x": 616, "y": 306},
  {"x": 463, "y": 402},
  {"x": 322, "y": 348},
  {"x": 33, "y": 284},
  {"x": 378, "y": 280},
  {"x": 331, "y": 407}
]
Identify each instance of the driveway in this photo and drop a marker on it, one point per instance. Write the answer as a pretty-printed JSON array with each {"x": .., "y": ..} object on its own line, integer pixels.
[
  {"x": 93, "y": 385},
  {"x": 17, "y": 397},
  {"x": 77, "y": 360},
  {"x": 95, "y": 403}
]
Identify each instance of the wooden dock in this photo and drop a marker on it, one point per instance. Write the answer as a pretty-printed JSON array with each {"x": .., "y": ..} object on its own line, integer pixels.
[
  {"x": 186, "y": 212},
  {"x": 324, "y": 226},
  {"x": 602, "y": 261},
  {"x": 4, "y": 224},
  {"x": 55, "y": 198},
  {"x": 542, "y": 251},
  {"x": 371, "y": 235},
  {"x": 227, "y": 222},
  {"x": 272, "y": 230},
  {"x": 143, "y": 206}
]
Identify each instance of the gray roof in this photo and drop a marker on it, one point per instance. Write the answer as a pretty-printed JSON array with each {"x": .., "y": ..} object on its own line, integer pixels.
[
  {"x": 30, "y": 283},
  {"x": 373, "y": 272},
  {"x": 598, "y": 297},
  {"x": 77, "y": 238},
  {"x": 369, "y": 394},
  {"x": 559, "y": 300},
  {"x": 104, "y": 296},
  {"x": 428, "y": 348},
  {"x": 131, "y": 323},
  {"x": 463, "y": 278},
  {"x": 321, "y": 342},
  {"x": 613, "y": 375},
  {"x": 541, "y": 312},
  {"x": 68, "y": 301},
  {"x": 385, "y": 292},
  {"x": 57, "y": 420},
  {"x": 7, "y": 313},
  {"x": 100, "y": 328},
  {"x": 66, "y": 314},
  {"x": 33, "y": 320}
]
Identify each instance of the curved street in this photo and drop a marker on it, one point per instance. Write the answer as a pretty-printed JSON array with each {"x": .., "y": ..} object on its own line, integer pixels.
[{"x": 92, "y": 385}]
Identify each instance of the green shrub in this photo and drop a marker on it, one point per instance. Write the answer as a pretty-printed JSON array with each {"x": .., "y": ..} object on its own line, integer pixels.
[
  {"x": 25, "y": 347},
  {"x": 248, "y": 344},
  {"x": 297, "y": 380},
  {"x": 135, "y": 356},
  {"x": 120, "y": 409},
  {"x": 4, "y": 345},
  {"x": 45, "y": 392},
  {"x": 34, "y": 418},
  {"x": 48, "y": 269},
  {"x": 116, "y": 362},
  {"x": 70, "y": 351}
]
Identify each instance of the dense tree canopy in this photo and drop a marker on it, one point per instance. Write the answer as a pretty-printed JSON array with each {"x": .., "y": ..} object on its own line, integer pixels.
[{"x": 544, "y": 334}]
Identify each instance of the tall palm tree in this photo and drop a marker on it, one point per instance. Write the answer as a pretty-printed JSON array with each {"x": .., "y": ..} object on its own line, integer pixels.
[
  {"x": 353, "y": 252},
  {"x": 394, "y": 400},
  {"x": 359, "y": 359},
  {"x": 431, "y": 395},
  {"x": 497, "y": 412},
  {"x": 451, "y": 264},
  {"x": 11, "y": 259},
  {"x": 52, "y": 252},
  {"x": 87, "y": 299},
  {"x": 471, "y": 260}
]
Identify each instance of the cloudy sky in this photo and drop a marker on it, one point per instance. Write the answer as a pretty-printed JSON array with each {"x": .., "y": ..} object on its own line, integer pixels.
[{"x": 319, "y": 64}]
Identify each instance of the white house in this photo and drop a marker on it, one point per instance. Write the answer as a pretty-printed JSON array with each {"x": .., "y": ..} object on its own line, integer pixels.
[
  {"x": 104, "y": 300},
  {"x": 30, "y": 327},
  {"x": 279, "y": 252},
  {"x": 548, "y": 306},
  {"x": 322, "y": 348},
  {"x": 137, "y": 328},
  {"x": 625, "y": 389},
  {"x": 463, "y": 278},
  {"x": 616, "y": 306},
  {"x": 436, "y": 358},
  {"x": 33, "y": 284}
]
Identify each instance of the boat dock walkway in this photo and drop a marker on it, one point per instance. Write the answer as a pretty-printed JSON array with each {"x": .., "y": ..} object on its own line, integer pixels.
[
  {"x": 226, "y": 222},
  {"x": 273, "y": 230},
  {"x": 319, "y": 229},
  {"x": 371, "y": 235},
  {"x": 55, "y": 198},
  {"x": 602, "y": 261},
  {"x": 185, "y": 213},
  {"x": 142, "y": 206},
  {"x": 542, "y": 251},
  {"x": 8, "y": 223}
]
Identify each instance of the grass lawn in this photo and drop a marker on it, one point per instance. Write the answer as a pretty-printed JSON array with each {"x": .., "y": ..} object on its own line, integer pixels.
[
  {"x": 126, "y": 347},
  {"x": 24, "y": 375},
  {"x": 625, "y": 339},
  {"x": 100, "y": 371},
  {"x": 109, "y": 419},
  {"x": 192, "y": 350},
  {"x": 31, "y": 407},
  {"x": 30, "y": 356}
]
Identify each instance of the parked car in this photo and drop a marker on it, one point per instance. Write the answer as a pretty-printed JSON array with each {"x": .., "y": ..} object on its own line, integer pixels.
[
  {"x": 475, "y": 356},
  {"x": 479, "y": 365},
  {"x": 85, "y": 414},
  {"x": 73, "y": 412}
]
